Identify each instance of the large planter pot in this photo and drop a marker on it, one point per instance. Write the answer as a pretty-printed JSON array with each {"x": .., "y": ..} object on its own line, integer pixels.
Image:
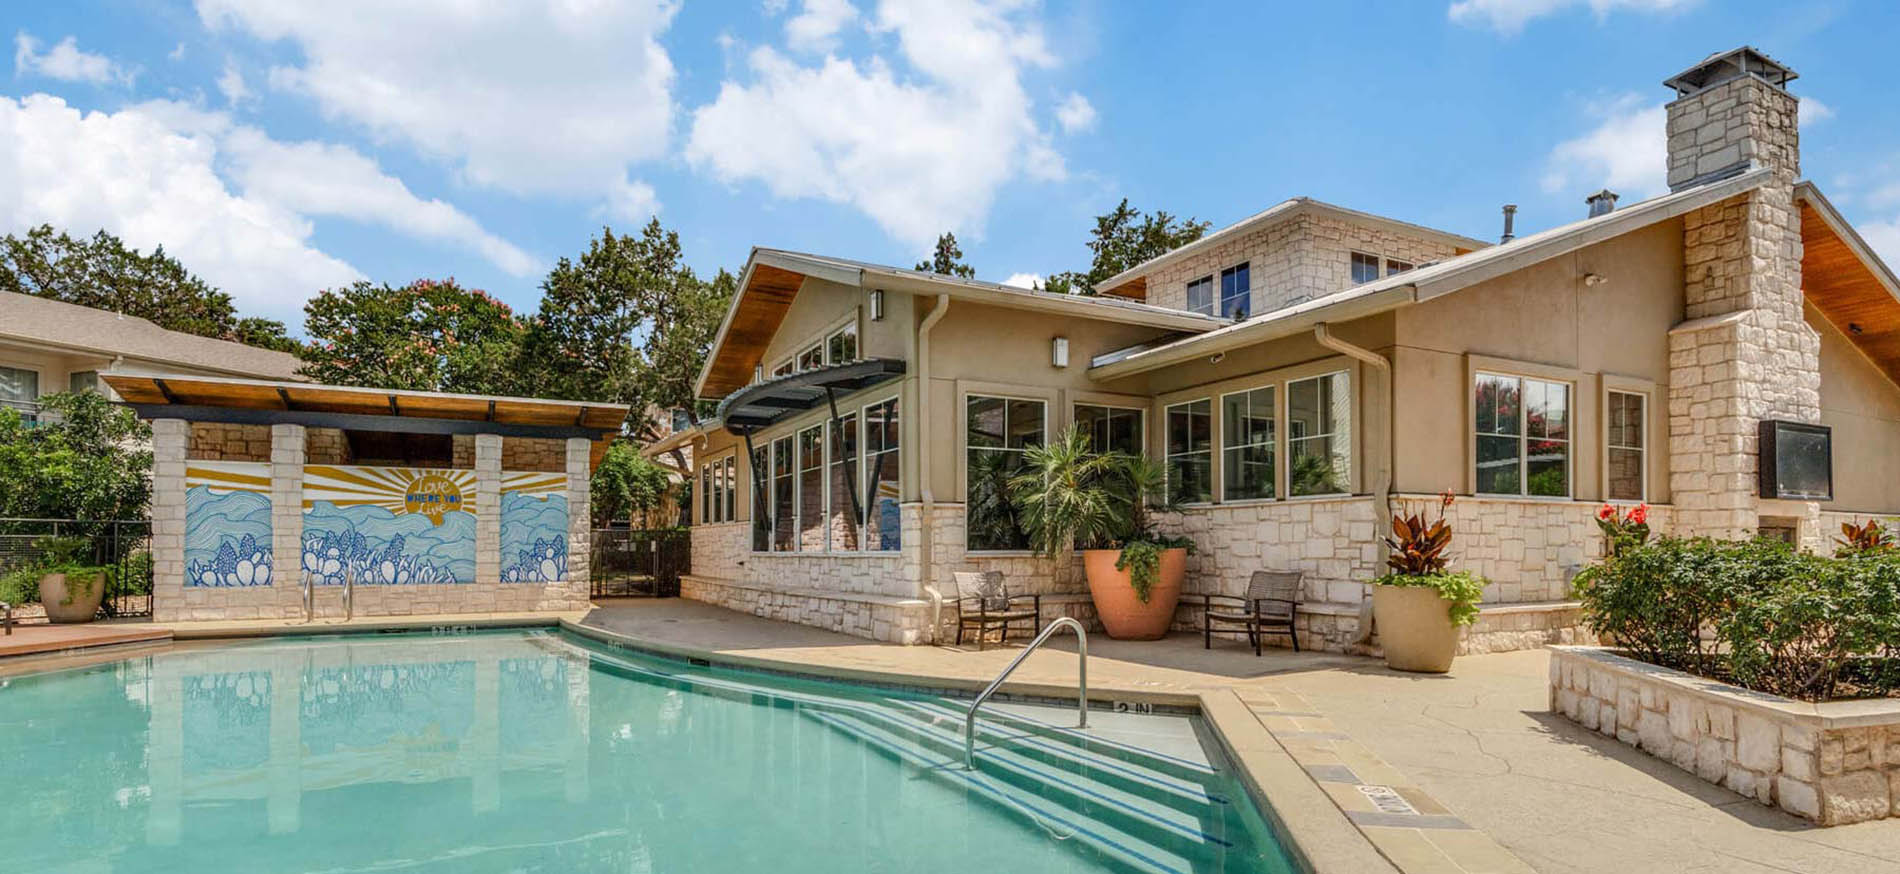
[
  {"x": 72, "y": 597},
  {"x": 1123, "y": 615},
  {"x": 1415, "y": 629}
]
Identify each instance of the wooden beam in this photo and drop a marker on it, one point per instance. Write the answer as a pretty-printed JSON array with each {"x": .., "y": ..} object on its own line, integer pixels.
[{"x": 358, "y": 421}]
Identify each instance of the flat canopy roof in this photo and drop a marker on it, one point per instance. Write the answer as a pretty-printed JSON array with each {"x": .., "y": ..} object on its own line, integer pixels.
[
  {"x": 263, "y": 402},
  {"x": 756, "y": 407}
]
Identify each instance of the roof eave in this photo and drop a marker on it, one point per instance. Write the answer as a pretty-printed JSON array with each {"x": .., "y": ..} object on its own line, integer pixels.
[
  {"x": 1807, "y": 191},
  {"x": 1359, "y": 304}
]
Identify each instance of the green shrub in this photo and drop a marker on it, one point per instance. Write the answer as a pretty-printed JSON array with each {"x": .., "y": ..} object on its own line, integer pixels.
[
  {"x": 1755, "y": 613},
  {"x": 1462, "y": 588}
]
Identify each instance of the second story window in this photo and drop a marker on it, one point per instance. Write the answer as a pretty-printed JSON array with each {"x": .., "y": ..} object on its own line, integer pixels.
[
  {"x": 842, "y": 345},
  {"x": 813, "y": 358},
  {"x": 1393, "y": 266},
  {"x": 1365, "y": 268},
  {"x": 1200, "y": 295},
  {"x": 1235, "y": 283}
]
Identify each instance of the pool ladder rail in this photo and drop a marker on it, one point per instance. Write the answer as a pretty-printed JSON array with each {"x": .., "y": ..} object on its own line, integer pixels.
[
  {"x": 1081, "y": 691},
  {"x": 310, "y": 598}
]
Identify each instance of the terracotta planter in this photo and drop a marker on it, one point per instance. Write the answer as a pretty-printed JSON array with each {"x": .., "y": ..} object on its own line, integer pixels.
[
  {"x": 72, "y": 598},
  {"x": 1414, "y": 626},
  {"x": 1125, "y": 616}
]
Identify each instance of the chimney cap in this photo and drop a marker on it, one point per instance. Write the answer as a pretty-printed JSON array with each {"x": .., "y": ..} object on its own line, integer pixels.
[
  {"x": 1732, "y": 64},
  {"x": 1601, "y": 203}
]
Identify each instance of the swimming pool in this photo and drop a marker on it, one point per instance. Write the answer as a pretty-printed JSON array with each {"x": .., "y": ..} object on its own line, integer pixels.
[{"x": 541, "y": 751}]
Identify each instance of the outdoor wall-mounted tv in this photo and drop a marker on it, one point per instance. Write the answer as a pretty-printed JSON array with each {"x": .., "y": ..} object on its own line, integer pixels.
[{"x": 1797, "y": 461}]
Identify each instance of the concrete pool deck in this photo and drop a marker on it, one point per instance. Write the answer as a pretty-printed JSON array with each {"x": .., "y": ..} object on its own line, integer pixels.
[{"x": 1478, "y": 746}]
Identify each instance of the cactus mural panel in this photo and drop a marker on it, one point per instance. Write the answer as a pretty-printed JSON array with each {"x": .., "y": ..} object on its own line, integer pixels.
[
  {"x": 533, "y": 527},
  {"x": 388, "y": 526},
  {"x": 227, "y": 524}
]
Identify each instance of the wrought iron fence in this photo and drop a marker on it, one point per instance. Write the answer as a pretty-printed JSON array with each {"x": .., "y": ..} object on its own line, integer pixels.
[
  {"x": 122, "y": 546},
  {"x": 639, "y": 562}
]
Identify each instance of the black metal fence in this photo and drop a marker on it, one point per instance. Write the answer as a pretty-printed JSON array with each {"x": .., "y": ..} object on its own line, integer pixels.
[
  {"x": 639, "y": 562},
  {"x": 122, "y": 546}
]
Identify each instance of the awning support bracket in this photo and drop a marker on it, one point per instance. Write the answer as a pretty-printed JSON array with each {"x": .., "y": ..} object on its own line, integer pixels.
[{"x": 850, "y": 461}]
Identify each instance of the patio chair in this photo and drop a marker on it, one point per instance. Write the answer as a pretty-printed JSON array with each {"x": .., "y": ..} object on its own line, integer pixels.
[
  {"x": 985, "y": 593},
  {"x": 1273, "y": 597}
]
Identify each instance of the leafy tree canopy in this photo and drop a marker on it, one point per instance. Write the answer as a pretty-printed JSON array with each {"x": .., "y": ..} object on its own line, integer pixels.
[
  {"x": 948, "y": 259},
  {"x": 84, "y": 459},
  {"x": 425, "y": 336},
  {"x": 626, "y": 483},
  {"x": 1124, "y": 238},
  {"x": 103, "y": 273}
]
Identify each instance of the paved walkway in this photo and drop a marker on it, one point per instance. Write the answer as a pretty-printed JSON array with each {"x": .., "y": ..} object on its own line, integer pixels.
[
  {"x": 1475, "y": 748},
  {"x": 42, "y": 638}
]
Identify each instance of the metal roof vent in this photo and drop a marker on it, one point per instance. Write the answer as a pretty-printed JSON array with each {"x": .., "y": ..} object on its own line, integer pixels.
[
  {"x": 1733, "y": 64},
  {"x": 1601, "y": 203},
  {"x": 1510, "y": 218}
]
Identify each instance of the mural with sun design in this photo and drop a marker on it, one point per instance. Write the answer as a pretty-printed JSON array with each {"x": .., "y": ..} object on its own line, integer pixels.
[
  {"x": 388, "y": 526},
  {"x": 533, "y": 527},
  {"x": 227, "y": 524}
]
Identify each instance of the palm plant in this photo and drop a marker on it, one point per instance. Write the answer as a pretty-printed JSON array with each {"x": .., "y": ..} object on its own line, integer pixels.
[{"x": 1067, "y": 495}]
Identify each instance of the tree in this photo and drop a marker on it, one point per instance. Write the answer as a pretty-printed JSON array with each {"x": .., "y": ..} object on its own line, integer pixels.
[
  {"x": 1122, "y": 239},
  {"x": 626, "y": 483},
  {"x": 104, "y": 274},
  {"x": 948, "y": 259},
  {"x": 425, "y": 336},
  {"x": 84, "y": 459}
]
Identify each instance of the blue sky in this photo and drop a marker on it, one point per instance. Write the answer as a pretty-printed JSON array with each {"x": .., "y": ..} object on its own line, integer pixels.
[{"x": 279, "y": 146}]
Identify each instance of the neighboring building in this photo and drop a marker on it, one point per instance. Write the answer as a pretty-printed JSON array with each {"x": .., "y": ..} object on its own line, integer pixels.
[
  {"x": 47, "y": 346},
  {"x": 1311, "y": 369}
]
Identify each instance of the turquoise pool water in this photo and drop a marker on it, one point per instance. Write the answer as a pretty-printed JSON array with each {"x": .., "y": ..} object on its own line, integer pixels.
[{"x": 541, "y": 752}]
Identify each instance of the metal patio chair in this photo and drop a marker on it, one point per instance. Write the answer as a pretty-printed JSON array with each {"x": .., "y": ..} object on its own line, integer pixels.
[
  {"x": 983, "y": 602},
  {"x": 1273, "y": 597}
]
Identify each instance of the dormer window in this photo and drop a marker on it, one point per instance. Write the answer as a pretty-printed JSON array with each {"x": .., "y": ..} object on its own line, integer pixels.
[
  {"x": 1235, "y": 285},
  {"x": 1365, "y": 268}
]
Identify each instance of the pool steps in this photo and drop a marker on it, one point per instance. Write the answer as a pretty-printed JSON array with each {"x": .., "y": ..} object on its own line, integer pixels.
[{"x": 1124, "y": 802}]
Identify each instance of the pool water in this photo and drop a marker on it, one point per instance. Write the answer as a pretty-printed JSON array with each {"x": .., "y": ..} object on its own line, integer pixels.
[{"x": 540, "y": 751}]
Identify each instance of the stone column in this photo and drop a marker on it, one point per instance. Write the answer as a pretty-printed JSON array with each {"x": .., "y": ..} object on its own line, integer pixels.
[
  {"x": 488, "y": 508},
  {"x": 287, "y": 457},
  {"x": 579, "y": 517},
  {"x": 169, "y": 439}
]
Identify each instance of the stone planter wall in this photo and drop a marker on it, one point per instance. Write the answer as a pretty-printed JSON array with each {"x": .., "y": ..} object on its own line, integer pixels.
[{"x": 1831, "y": 763}]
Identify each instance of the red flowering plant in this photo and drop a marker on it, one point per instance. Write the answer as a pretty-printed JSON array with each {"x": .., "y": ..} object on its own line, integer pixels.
[
  {"x": 1858, "y": 538},
  {"x": 1623, "y": 531}
]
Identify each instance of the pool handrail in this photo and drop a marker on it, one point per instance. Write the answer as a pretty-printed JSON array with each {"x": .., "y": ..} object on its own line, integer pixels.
[{"x": 1081, "y": 692}]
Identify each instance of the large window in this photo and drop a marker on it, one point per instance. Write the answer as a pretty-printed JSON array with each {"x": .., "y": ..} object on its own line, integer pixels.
[
  {"x": 1365, "y": 268},
  {"x": 1190, "y": 454},
  {"x": 1523, "y": 436},
  {"x": 997, "y": 433},
  {"x": 811, "y": 489},
  {"x": 20, "y": 389},
  {"x": 1111, "y": 429},
  {"x": 715, "y": 486},
  {"x": 1319, "y": 435},
  {"x": 705, "y": 494},
  {"x": 1200, "y": 295},
  {"x": 1235, "y": 283},
  {"x": 761, "y": 498},
  {"x": 884, "y": 530},
  {"x": 842, "y": 522},
  {"x": 1247, "y": 445},
  {"x": 730, "y": 488},
  {"x": 1624, "y": 453},
  {"x": 784, "y": 497},
  {"x": 813, "y": 358},
  {"x": 842, "y": 345},
  {"x": 1394, "y": 266}
]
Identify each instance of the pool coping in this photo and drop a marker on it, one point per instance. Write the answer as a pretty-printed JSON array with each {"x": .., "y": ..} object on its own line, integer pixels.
[{"x": 1321, "y": 837}]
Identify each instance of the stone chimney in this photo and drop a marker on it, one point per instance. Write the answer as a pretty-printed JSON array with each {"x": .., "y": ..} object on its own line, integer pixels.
[
  {"x": 1746, "y": 352},
  {"x": 1732, "y": 112}
]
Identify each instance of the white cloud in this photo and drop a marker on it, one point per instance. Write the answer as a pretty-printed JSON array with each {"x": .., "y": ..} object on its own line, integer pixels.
[
  {"x": 1627, "y": 152},
  {"x": 557, "y": 97},
  {"x": 64, "y": 61},
  {"x": 231, "y": 85},
  {"x": 1812, "y": 111},
  {"x": 1024, "y": 280},
  {"x": 1884, "y": 237},
  {"x": 135, "y": 175},
  {"x": 1075, "y": 114},
  {"x": 920, "y": 141},
  {"x": 1510, "y": 16},
  {"x": 631, "y": 201},
  {"x": 815, "y": 28}
]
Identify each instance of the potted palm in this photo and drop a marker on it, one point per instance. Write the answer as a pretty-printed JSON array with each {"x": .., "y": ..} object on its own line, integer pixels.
[
  {"x": 1419, "y": 606},
  {"x": 1068, "y": 496}
]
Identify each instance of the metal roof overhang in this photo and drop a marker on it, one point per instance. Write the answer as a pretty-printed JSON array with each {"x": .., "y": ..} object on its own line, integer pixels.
[{"x": 756, "y": 407}]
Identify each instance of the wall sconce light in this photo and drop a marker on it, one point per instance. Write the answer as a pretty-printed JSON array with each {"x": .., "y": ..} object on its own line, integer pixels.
[
  {"x": 1594, "y": 279},
  {"x": 758, "y": 373},
  {"x": 1855, "y": 328},
  {"x": 877, "y": 304},
  {"x": 1217, "y": 358},
  {"x": 1059, "y": 351}
]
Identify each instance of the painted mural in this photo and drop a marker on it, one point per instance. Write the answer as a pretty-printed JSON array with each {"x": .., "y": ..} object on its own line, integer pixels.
[
  {"x": 388, "y": 526},
  {"x": 227, "y": 524},
  {"x": 533, "y": 527}
]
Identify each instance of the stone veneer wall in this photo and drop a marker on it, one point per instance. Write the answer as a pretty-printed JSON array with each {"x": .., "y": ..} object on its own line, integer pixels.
[
  {"x": 214, "y": 441},
  {"x": 520, "y": 454},
  {"x": 1831, "y": 763},
  {"x": 1302, "y": 257}
]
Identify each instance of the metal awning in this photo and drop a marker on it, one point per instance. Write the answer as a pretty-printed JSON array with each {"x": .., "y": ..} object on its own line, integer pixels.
[{"x": 747, "y": 411}]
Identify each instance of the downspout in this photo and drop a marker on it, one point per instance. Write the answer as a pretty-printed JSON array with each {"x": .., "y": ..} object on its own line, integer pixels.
[
  {"x": 927, "y": 496},
  {"x": 1382, "y": 490}
]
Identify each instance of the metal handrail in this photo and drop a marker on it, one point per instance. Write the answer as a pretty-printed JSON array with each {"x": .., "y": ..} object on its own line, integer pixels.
[
  {"x": 1081, "y": 692},
  {"x": 349, "y": 594},
  {"x": 309, "y": 599}
]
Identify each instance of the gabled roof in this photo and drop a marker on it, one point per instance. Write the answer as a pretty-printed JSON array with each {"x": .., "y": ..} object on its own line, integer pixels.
[
  {"x": 1849, "y": 284},
  {"x": 772, "y": 278},
  {"x": 1427, "y": 282},
  {"x": 1283, "y": 210},
  {"x": 41, "y": 321}
]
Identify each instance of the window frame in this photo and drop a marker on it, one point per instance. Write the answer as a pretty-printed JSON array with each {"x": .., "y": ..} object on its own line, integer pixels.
[
  {"x": 1279, "y": 378},
  {"x": 1378, "y": 266},
  {"x": 1278, "y": 387},
  {"x": 767, "y": 443},
  {"x": 1221, "y": 296},
  {"x": 1547, "y": 376},
  {"x": 1611, "y": 383},
  {"x": 1212, "y": 295},
  {"x": 1395, "y": 266},
  {"x": 1115, "y": 403},
  {"x": 1351, "y": 435},
  {"x": 864, "y": 472},
  {"x": 967, "y": 389},
  {"x": 1213, "y": 450}
]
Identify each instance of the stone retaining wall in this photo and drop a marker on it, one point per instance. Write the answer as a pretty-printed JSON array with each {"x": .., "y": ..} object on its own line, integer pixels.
[
  {"x": 1832, "y": 763},
  {"x": 892, "y": 620}
]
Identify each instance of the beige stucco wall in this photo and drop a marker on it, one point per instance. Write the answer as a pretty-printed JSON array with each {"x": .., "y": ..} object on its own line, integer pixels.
[
  {"x": 1863, "y": 407},
  {"x": 1305, "y": 255}
]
